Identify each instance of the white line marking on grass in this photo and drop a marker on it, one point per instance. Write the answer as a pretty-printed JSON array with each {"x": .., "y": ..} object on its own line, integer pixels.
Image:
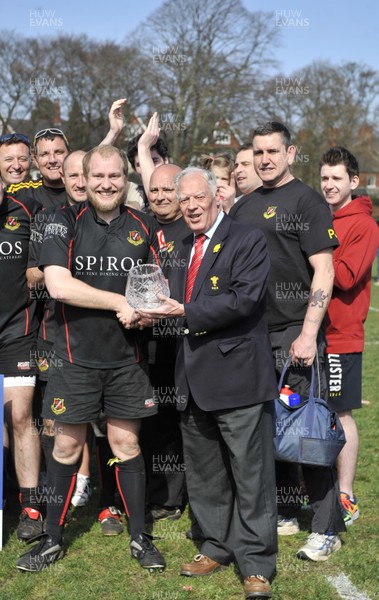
[
  {"x": 345, "y": 589},
  {"x": 374, "y": 309},
  {"x": 372, "y": 343}
]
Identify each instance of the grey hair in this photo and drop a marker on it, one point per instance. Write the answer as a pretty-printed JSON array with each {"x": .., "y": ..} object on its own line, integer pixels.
[{"x": 208, "y": 177}]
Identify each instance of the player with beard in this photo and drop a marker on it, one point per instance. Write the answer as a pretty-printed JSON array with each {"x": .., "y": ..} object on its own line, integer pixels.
[{"x": 87, "y": 253}]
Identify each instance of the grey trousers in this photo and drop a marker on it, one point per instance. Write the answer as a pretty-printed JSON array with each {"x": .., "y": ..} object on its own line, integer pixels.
[{"x": 231, "y": 484}]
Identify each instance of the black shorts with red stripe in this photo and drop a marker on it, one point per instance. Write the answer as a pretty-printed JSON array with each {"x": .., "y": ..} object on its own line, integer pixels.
[{"x": 76, "y": 394}]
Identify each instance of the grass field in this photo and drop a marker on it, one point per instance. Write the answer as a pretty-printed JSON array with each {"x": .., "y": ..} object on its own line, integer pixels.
[{"x": 101, "y": 568}]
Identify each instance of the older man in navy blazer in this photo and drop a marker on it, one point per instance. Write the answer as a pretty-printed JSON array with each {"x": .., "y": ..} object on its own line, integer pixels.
[{"x": 225, "y": 379}]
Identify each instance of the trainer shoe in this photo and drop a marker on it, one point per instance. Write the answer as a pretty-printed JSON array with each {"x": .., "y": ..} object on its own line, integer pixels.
[
  {"x": 40, "y": 556},
  {"x": 287, "y": 525},
  {"x": 162, "y": 513},
  {"x": 350, "y": 508},
  {"x": 110, "y": 521},
  {"x": 148, "y": 556},
  {"x": 319, "y": 546},
  {"x": 30, "y": 525},
  {"x": 256, "y": 586},
  {"x": 83, "y": 491}
]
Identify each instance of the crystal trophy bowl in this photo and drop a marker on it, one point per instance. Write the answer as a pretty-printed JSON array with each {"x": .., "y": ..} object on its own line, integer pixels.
[{"x": 145, "y": 282}]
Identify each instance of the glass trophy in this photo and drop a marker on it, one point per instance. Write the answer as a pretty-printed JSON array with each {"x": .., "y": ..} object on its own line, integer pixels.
[{"x": 145, "y": 282}]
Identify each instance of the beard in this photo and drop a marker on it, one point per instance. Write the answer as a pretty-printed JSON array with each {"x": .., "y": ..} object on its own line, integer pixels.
[{"x": 106, "y": 206}]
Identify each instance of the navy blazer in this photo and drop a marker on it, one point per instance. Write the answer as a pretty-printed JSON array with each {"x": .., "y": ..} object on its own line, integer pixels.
[{"x": 224, "y": 356}]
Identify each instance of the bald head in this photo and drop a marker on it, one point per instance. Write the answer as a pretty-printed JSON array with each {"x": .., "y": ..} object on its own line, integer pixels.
[
  {"x": 162, "y": 197},
  {"x": 73, "y": 178}
]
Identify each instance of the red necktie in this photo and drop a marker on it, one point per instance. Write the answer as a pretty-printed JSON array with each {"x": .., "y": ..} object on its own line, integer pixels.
[{"x": 195, "y": 264}]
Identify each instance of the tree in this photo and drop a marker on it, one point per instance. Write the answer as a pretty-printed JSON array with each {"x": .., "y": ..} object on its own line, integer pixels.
[
  {"x": 76, "y": 130},
  {"x": 93, "y": 76},
  {"x": 42, "y": 114},
  {"x": 24, "y": 69},
  {"x": 201, "y": 65},
  {"x": 323, "y": 105}
]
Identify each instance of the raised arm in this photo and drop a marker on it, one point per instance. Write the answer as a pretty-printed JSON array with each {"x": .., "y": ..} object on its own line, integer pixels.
[
  {"x": 116, "y": 122},
  {"x": 146, "y": 141}
]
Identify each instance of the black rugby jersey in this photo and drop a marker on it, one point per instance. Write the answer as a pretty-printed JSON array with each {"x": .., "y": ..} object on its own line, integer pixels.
[
  {"x": 174, "y": 234},
  {"x": 49, "y": 198},
  {"x": 101, "y": 255},
  {"x": 162, "y": 337},
  {"x": 46, "y": 330},
  {"x": 17, "y": 307}
]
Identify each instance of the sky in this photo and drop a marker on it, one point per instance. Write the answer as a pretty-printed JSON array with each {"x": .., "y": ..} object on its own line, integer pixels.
[{"x": 333, "y": 30}]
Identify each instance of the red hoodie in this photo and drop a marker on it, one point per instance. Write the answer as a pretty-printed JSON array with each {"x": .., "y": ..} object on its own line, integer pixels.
[{"x": 358, "y": 235}]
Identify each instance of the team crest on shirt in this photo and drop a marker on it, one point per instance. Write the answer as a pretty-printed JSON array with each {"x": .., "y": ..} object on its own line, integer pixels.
[
  {"x": 12, "y": 223},
  {"x": 214, "y": 282},
  {"x": 270, "y": 212},
  {"x": 135, "y": 238},
  {"x": 58, "y": 406},
  {"x": 43, "y": 364},
  {"x": 169, "y": 246}
]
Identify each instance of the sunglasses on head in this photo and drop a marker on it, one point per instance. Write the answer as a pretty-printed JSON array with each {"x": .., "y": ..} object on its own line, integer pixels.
[
  {"x": 17, "y": 137},
  {"x": 51, "y": 131}
]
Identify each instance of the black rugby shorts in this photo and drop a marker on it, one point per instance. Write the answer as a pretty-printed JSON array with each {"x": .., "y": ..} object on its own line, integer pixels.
[
  {"x": 77, "y": 394},
  {"x": 17, "y": 357},
  {"x": 344, "y": 372}
]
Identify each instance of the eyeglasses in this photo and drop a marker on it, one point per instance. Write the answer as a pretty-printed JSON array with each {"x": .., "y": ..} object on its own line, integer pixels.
[
  {"x": 16, "y": 137},
  {"x": 52, "y": 131}
]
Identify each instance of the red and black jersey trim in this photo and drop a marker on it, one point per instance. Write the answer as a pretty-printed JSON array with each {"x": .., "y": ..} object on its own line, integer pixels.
[{"x": 21, "y": 204}]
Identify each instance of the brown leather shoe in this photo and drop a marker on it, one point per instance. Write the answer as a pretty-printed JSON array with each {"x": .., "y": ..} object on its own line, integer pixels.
[
  {"x": 256, "y": 586},
  {"x": 201, "y": 565}
]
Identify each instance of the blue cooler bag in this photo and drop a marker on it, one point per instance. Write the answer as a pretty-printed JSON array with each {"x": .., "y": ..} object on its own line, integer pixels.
[{"x": 309, "y": 433}]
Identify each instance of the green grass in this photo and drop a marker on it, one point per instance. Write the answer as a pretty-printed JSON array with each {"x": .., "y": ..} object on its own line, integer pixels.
[{"x": 101, "y": 568}]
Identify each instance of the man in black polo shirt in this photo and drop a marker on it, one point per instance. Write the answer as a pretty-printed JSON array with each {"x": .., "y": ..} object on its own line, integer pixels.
[
  {"x": 87, "y": 253},
  {"x": 300, "y": 238}
]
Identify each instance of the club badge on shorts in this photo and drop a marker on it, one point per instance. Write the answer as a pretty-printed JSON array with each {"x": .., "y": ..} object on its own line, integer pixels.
[
  {"x": 43, "y": 364},
  {"x": 58, "y": 406}
]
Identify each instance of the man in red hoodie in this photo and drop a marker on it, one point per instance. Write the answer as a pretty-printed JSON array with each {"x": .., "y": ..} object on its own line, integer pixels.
[{"x": 358, "y": 236}]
